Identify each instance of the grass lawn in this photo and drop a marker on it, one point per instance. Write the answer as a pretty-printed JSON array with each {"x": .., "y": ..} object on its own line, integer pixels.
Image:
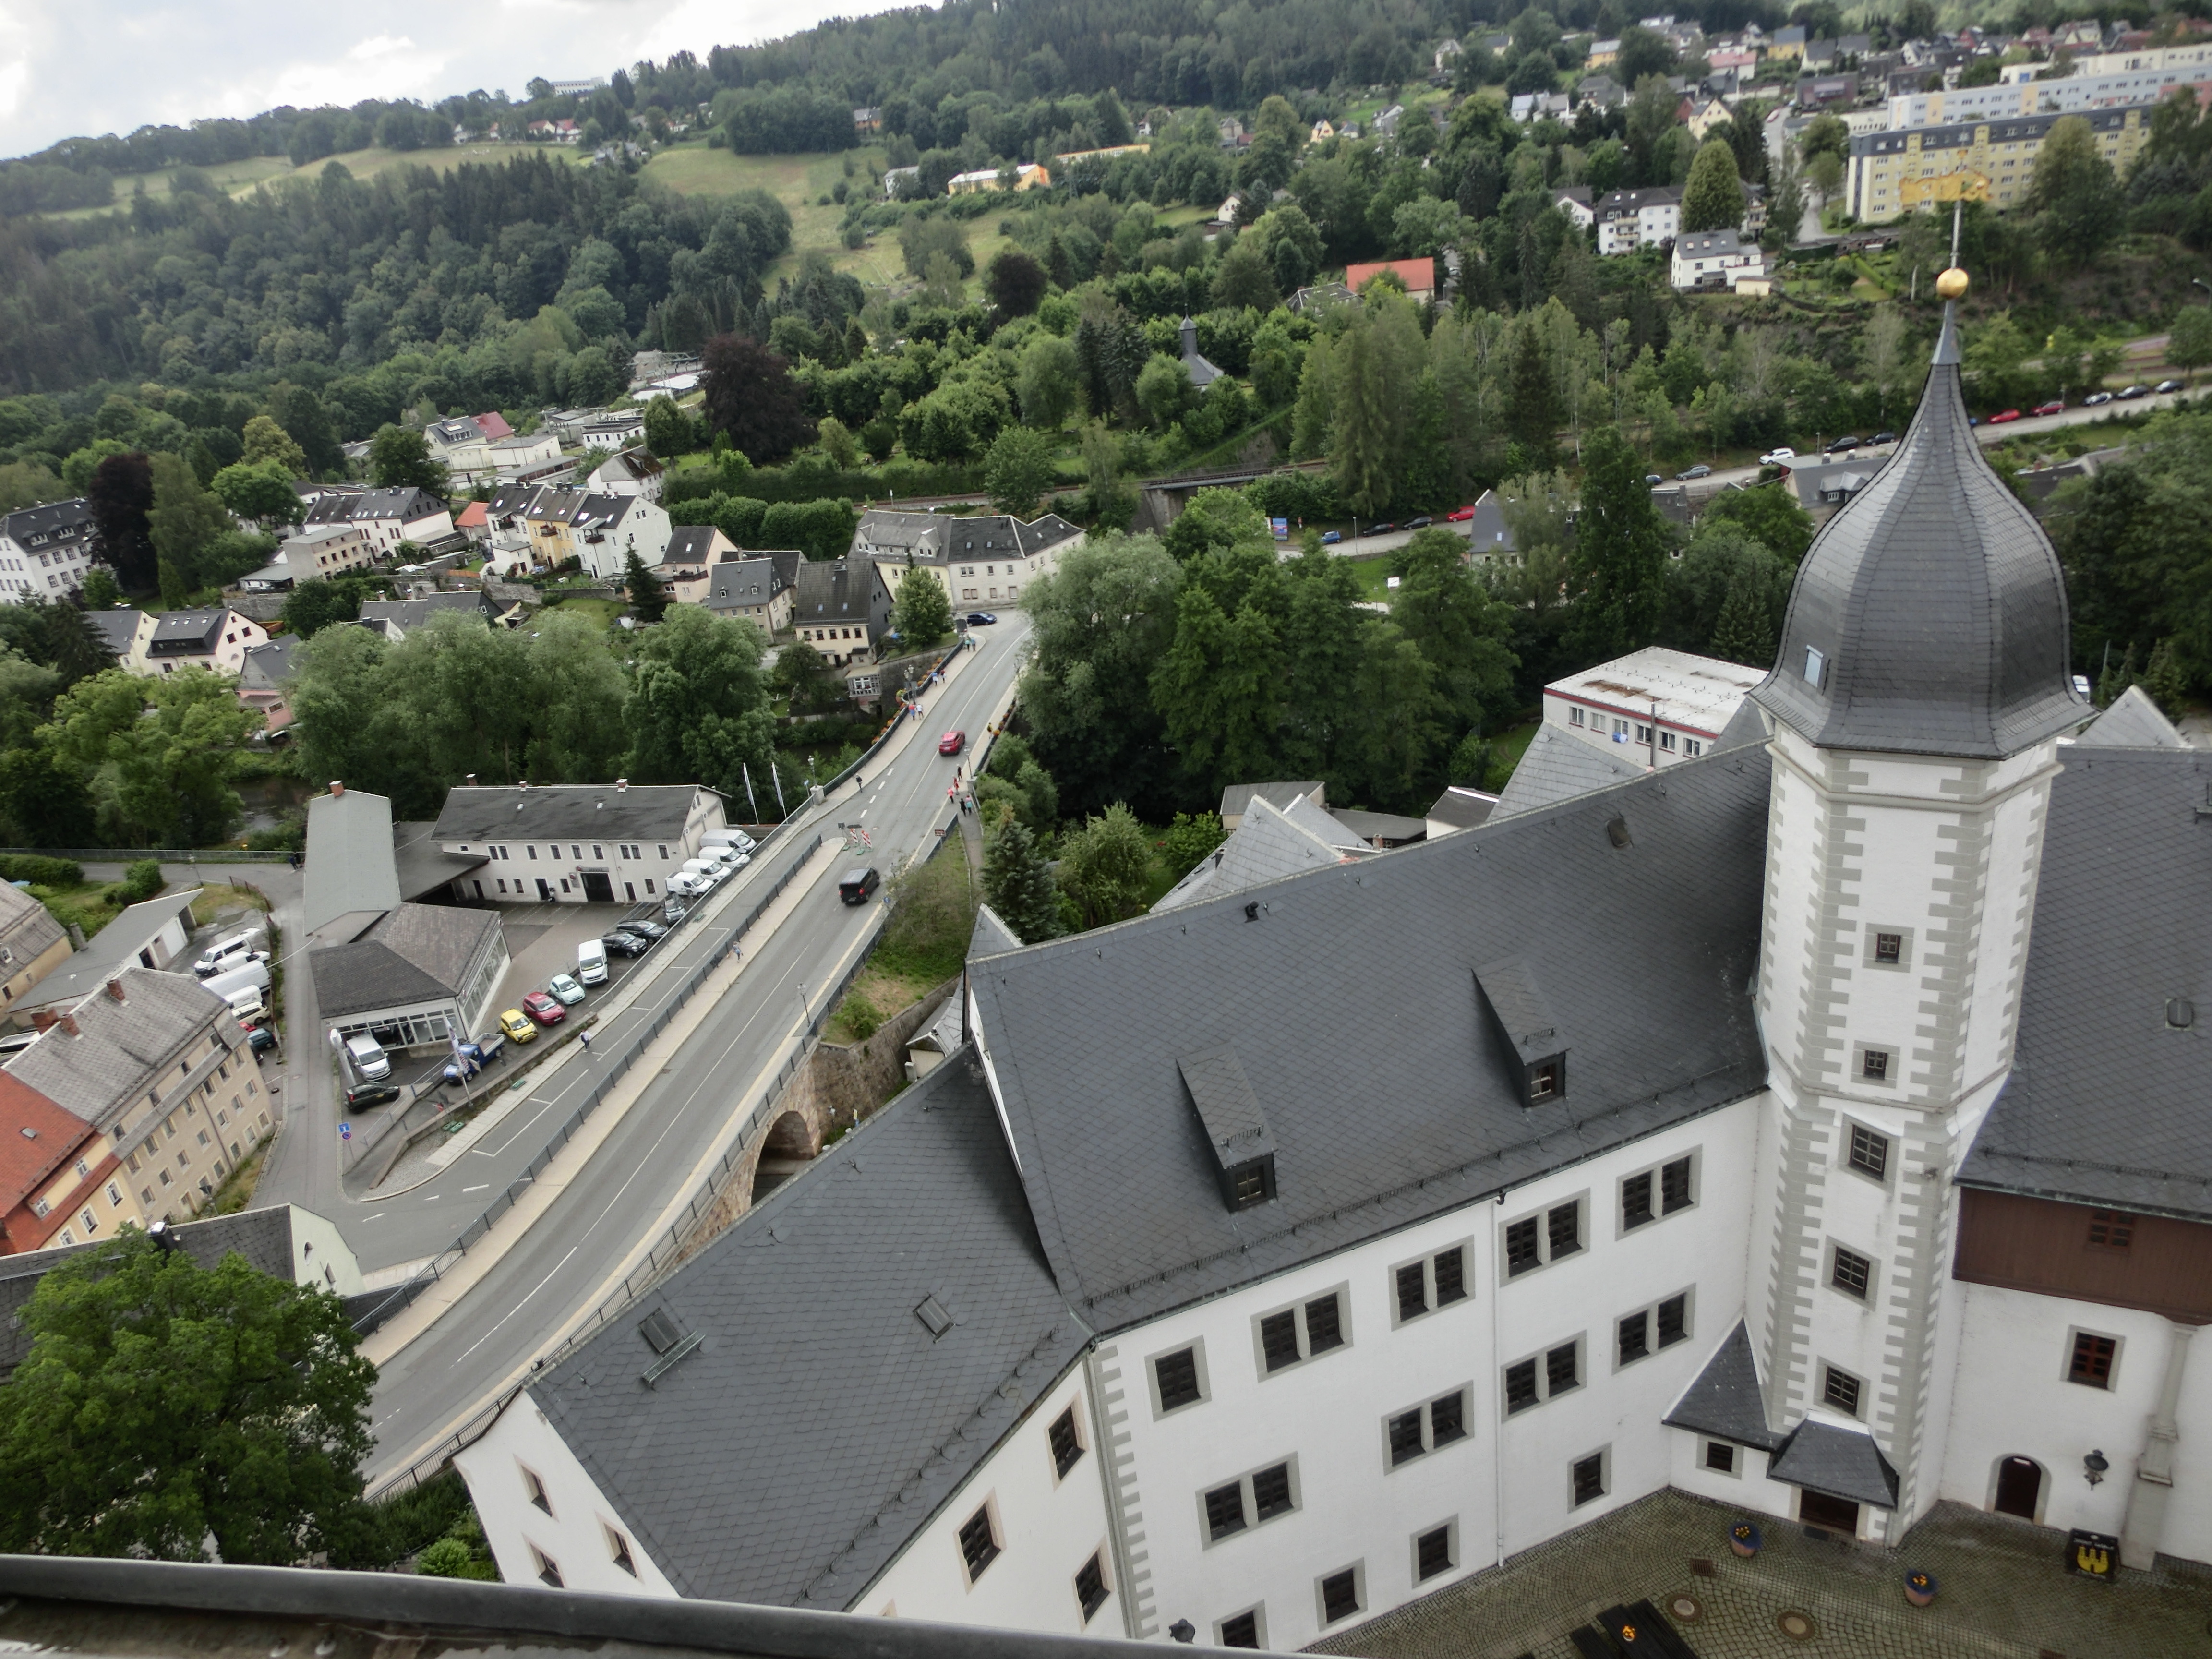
[
  {"x": 218, "y": 897},
  {"x": 602, "y": 611},
  {"x": 799, "y": 182},
  {"x": 1374, "y": 578},
  {"x": 923, "y": 945},
  {"x": 237, "y": 1189},
  {"x": 1508, "y": 748}
]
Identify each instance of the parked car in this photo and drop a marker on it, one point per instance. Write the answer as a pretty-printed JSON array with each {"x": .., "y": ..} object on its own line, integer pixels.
[
  {"x": 517, "y": 1027},
  {"x": 980, "y": 619},
  {"x": 1421, "y": 522},
  {"x": 543, "y": 1007},
  {"x": 674, "y": 910},
  {"x": 1842, "y": 445},
  {"x": 952, "y": 743},
  {"x": 1331, "y": 537},
  {"x": 260, "y": 1039},
  {"x": 1460, "y": 515},
  {"x": 368, "y": 1057},
  {"x": 591, "y": 962},
  {"x": 2004, "y": 416},
  {"x": 1883, "y": 438},
  {"x": 2164, "y": 386},
  {"x": 372, "y": 1094},
  {"x": 1776, "y": 455},
  {"x": 2127, "y": 392},
  {"x": 564, "y": 990},
  {"x": 1386, "y": 528},
  {"x": 227, "y": 953},
  {"x": 2056, "y": 406},
  {"x": 1653, "y": 478},
  {"x": 625, "y": 945},
  {"x": 645, "y": 927},
  {"x": 1700, "y": 471},
  {"x": 854, "y": 886},
  {"x": 2096, "y": 400}
]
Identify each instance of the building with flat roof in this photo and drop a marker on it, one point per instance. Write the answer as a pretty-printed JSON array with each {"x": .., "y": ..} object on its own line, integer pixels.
[
  {"x": 1989, "y": 159},
  {"x": 1655, "y": 706}
]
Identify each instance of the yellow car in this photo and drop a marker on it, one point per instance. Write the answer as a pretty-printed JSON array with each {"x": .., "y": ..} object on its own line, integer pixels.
[{"x": 519, "y": 1026}]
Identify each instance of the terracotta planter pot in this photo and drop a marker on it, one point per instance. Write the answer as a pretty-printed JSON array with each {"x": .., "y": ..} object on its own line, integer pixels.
[
  {"x": 1744, "y": 1538},
  {"x": 1920, "y": 1587}
]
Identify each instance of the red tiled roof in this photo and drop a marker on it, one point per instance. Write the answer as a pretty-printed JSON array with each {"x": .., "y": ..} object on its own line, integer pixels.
[
  {"x": 1419, "y": 276},
  {"x": 494, "y": 424},
  {"x": 475, "y": 516},
  {"x": 27, "y": 1161}
]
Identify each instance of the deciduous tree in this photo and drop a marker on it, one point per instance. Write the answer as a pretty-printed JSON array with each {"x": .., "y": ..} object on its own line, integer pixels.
[
  {"x": 1015, "y": 283},
  {"x": 163, "y": 1404},
  {"x": 699, "y": 710},
  {"x": 920, "y": 611},
  {"x": 1018, "y": 470},
  {"x": 753, "y": 401},
  {"x": 399, "y": 458},
  {"x": 119, "y": 494}
]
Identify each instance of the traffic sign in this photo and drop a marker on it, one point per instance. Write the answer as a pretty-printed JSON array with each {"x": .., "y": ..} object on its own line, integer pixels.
[{"x": 345, "y": 1131}]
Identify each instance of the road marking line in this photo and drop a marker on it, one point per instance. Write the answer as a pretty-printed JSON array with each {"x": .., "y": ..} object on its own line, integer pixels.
[
  {"x": 484, "y": 1188},
  {"x": 519, "y": 1306}
]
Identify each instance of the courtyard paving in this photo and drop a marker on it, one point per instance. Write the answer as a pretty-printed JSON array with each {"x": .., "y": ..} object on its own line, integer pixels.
[{"x": 2004, "y": 1591}]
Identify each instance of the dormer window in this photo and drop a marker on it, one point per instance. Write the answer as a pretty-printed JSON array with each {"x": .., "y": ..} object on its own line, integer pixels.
[
  {"x": 1816, "y": 667},
  {"x": 1534, "y": 1043},
  {"x": 1235, "y": 1128}
]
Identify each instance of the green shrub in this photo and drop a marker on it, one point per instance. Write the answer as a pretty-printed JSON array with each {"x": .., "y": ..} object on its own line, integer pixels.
[
  {"x": 47, "y": 872},
  {"x": 448, "y": 1558},
  {"x": 141, "y": 879},
  {"x": 860, "y": 1015}
]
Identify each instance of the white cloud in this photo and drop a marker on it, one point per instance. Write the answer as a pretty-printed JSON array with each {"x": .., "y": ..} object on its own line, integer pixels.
[{"x": 95, "y": 66}]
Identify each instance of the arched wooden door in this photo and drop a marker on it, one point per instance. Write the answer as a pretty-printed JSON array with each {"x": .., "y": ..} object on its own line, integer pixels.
[{"x": 2019, "y": 1484}]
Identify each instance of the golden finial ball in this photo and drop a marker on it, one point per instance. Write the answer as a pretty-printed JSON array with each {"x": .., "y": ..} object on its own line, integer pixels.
[{"x": 1952, "y": 284}]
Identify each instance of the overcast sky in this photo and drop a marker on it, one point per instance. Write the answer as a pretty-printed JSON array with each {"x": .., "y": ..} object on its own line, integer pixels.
[{"x": 71, "y": 67}]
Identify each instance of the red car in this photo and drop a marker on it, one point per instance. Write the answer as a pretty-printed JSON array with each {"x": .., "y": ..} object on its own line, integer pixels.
[
  {"x": 543, "y": 1009},
  {"x": 2055, "y": 407},
  {"x": 1461, "y": 515},
  {"x": 952, "y": 743},
  {"x": 2008, "y": 415}
]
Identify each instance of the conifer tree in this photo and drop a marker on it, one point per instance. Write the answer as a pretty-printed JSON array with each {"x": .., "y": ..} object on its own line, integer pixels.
[{"x": 1017, "y": 883}]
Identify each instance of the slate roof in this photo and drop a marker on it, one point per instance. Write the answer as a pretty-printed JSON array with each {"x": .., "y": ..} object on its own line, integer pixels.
[
  {"x": 1267, "y": 846},
  {"x": 819, "y": 1426},
  {"x": 1462, "y": 809},
  {"x": 1556, "y": 766},
  {"x": 646, "y": 811},
  {"x": 107, "y": 950},
  {"x": 118, "y": 628},
  {"x": 349, "y": 867},
  {"x": 1840, "y": 1461},
  {"x": 1725, "y": 1400},
  {"x": 1085, "y": 1034},
  {"x": 67, "y": 520},
  {"x": 395, "y": 618},
  {"x": 105, "y": 1067},
  {"x": 992, "y": 936},
  {"x": 690, "y": 543},
  {"x": 186, "y": 633},
  {"x": 1238, "y": 796},
  {"x": 839, "y": 590},
  {"x": 27, "y": 928},
  {"x": 2118, "y": 932},
  {"x": 268, "y": 666},
  {"x": 418, "y": 953},
  {"x": 1935, "y": 600},
  {"x": 1376, "y": 828},
  {"x": 1745, "y": 725},
  {"x": 2132, "y": 722},
  {"x": 739, "y": 584}
]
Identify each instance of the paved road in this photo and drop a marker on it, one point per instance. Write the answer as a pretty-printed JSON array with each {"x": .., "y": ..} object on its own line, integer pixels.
[{"x": 559, "y": 1265}]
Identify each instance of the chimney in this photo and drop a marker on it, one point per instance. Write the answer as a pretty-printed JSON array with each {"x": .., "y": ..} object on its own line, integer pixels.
[
  {"x": 115, "y": 989},
  {"x": 68, "y": 1024},
  {"x": 337, "y": 788},
  {"x": 43, "y": 1020}
]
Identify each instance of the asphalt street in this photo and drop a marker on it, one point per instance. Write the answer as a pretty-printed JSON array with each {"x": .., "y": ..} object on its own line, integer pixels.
[{"x": 562, "y": 1263}]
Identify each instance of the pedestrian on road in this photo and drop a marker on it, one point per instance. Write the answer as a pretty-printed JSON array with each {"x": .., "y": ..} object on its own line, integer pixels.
[{"x": 585, "y": 1037}]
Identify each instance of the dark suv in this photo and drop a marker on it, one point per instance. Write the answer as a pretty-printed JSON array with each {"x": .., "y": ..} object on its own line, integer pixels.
[{"x": 855, "y": 886}]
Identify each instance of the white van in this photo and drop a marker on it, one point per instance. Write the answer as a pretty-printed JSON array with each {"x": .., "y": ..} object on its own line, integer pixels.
[
  {"x": 704, "y": 871},
  {"x": 591, "y": 962},
  {"x": 368, "y": 1057},
  {"x": 227, "y": 952},
  {"x": 249, "y": 974},
  {"x": 736, "y": 841},
  {"x": 684, "y": 886},
  {"x": 246, "y": 1003}
]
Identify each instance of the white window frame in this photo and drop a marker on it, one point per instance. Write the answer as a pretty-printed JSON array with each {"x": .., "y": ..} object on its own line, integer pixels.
[{"x": 2112, "y": 1382}]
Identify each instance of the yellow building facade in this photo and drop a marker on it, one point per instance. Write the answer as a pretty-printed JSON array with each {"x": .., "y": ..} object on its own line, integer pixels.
[{"x": 1894, "y": 172}]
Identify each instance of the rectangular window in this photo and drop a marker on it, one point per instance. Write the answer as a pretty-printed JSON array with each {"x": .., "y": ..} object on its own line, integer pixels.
[
  {"x": 1270, "y": 1491},
  {"x": 1574, "y": 717},
  {"x": 1520, "y": 1386},
  {"x": 2092, "y": 1364},
  {"x": 1432, "y": 1553},
  {"x": 1635, "y": 1337},
  {"x": 1090, "y": 1587},
  {"x": 1521, "y": 1251},
  {"x": 619, "y": 1549},
  {"x": 1405, "y": 1437},
  {"x": 1589, "y": 1479},
  {"x": 1636, "y": 1200},
  {"x": 1279, "y": 1340},
  {"x": 1666, "y": 741},
  {"x": 1674, "y": 1186},
  {"x": 978, "y": 1543},
  {"x": 1563, "y": 1231},
  {"x": 1324, "y": 1328},
  {"x": 1875, "y": 1065},
  {"x": 1544, "y": 1080},
  {"x": 1178, "y": 1374},
  {"x": 1241, "y": 1631},
  {"x": 548, "y": 1572},
  {"x": 1852, "y": 1273},
  {"x": 1225, "y": 1509},
  {"x": 1889, "y": 947},
  {"x": 1447, "y": 1420},
  {"x": 1692, "y": 747},
  {"x": 1869, "y": 1153},
  {"x": 1673, "y": 1320},
  {"x": 1067, "y": 1447},
  {"x": 1841, "y": 1391},
  {"x": 1451, "y": 1275},
  {"x": 1720, "y": 1457},
  {"x": 536, "y": 1488},
  {"x": 1561, "y": 1371},
  {"x": 1413, "y": 1292},
  {"x": 1340, "y": 1595},
  {"x": 2109, "y": 1230}
]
